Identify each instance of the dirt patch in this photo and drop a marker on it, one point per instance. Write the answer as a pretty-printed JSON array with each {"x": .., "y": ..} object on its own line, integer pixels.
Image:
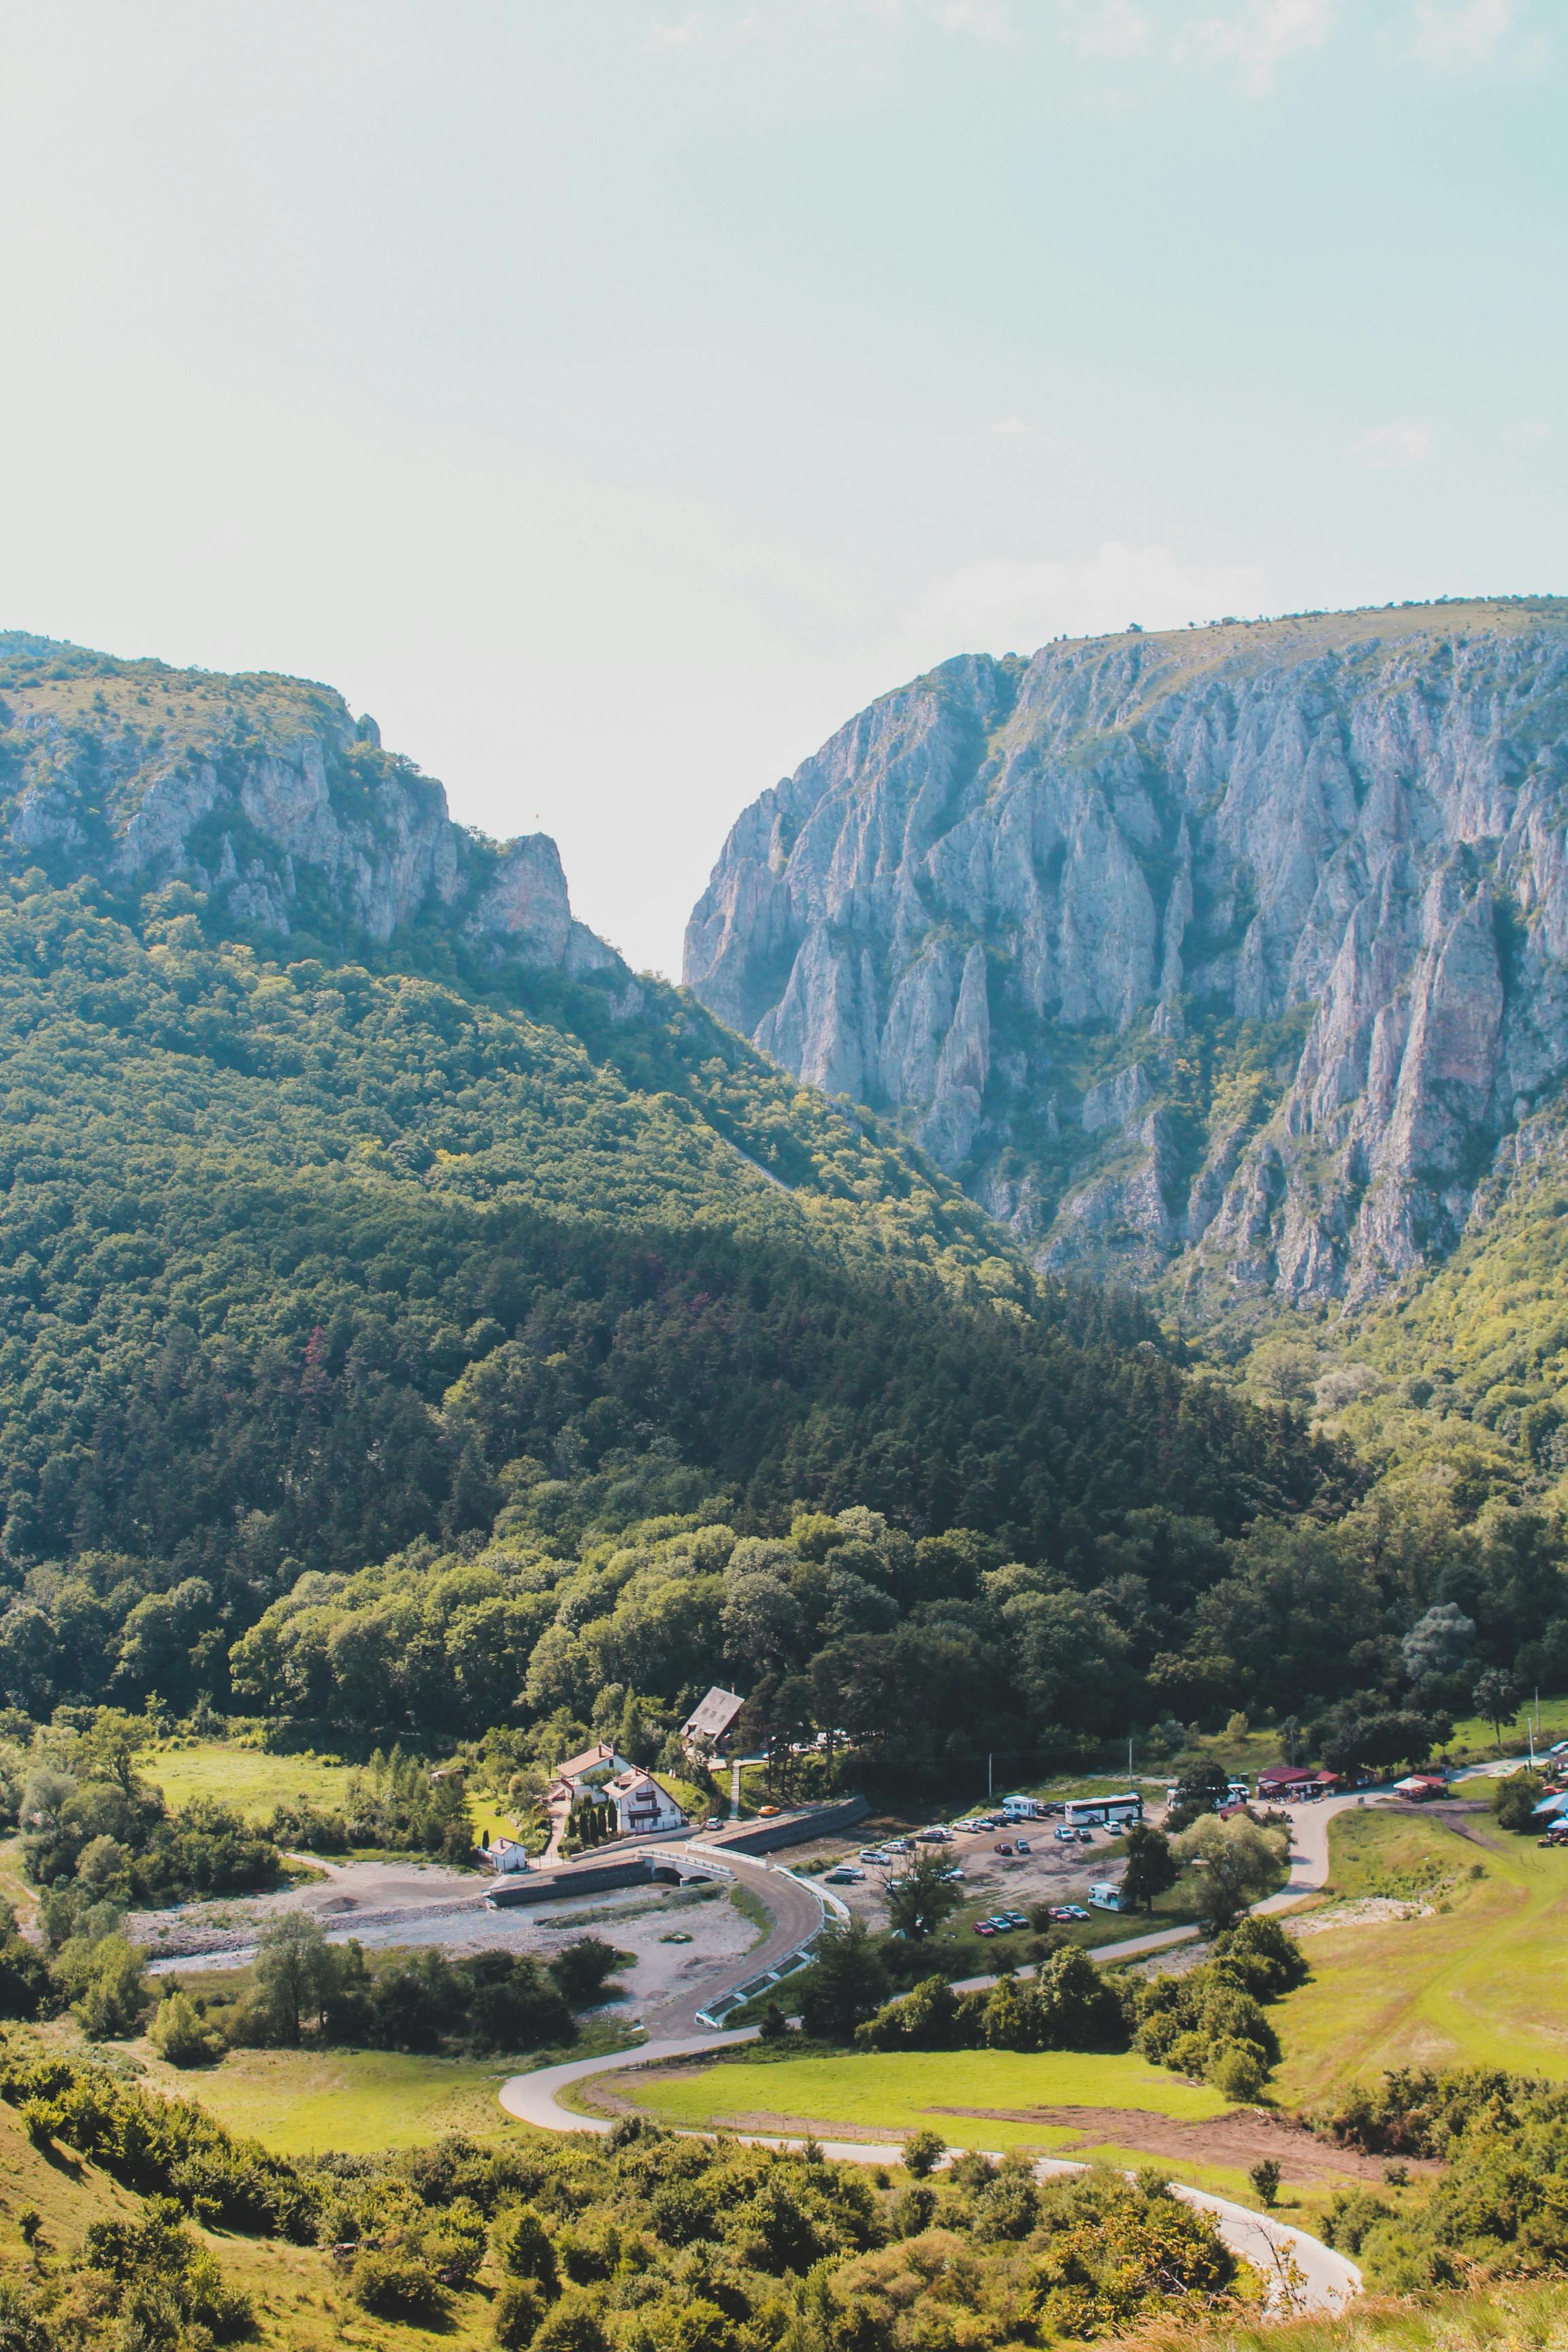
[
  {"x": 1365, "y": 1911},
  {"x": 1243, "y": 2139},
  {"x": 1240, "y": 2139},
  {"x": 1453, "y": 1818}
]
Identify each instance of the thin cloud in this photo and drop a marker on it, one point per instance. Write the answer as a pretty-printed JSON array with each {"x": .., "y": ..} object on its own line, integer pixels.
[
  {"x": 716, "y": 27},
  {"x": 1118, "y": 29},
  {"x": 1395, "y": 445},
  {"x": 1459, "y": 35},
  {"x": 1258, "y": 38}
]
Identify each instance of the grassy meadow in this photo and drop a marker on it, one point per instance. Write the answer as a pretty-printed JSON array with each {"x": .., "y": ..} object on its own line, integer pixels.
[
  {"x": 360, "y": 2102},
  {"x": 1475, "y": 1982},
  {"x": 962, "y": 2094},
  {"x": 246, "y": 1777},
  {"x": 255, "y": 1782}
]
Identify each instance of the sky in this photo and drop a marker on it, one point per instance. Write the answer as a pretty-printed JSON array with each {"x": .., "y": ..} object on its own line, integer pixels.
[{"x": 613, "y": 396}]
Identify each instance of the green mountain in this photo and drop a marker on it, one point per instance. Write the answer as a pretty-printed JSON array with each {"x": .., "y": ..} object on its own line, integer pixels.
[{"x": 357, "y": 1198}]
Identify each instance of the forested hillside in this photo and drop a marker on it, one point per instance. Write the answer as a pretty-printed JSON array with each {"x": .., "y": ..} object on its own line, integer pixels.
[{"x": 506, "y": 1343}]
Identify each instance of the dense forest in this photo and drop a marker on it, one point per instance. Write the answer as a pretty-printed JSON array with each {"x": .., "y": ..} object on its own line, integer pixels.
[
  {"x": 303, "y": 1267},
  {"x": 415, "y": 1342}
]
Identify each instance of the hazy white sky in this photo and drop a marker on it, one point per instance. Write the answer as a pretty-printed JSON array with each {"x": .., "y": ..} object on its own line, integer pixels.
[{"x": 613, "y": 396}]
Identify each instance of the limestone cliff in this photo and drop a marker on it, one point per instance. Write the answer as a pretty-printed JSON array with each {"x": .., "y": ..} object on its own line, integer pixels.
[
  {"x": 1226, "y": 956},
  {"x": 263, "y": 794}
]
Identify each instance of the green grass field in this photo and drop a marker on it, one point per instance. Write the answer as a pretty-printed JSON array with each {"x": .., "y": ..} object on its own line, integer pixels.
[
  {"x": 242, "y": 1777},
  {"x": 1477, "y": 1741},
  {"x": 355, "y": 2100},
  {"x": 1478, "y": 1982},
  {"x": 255, "y": 1783},
  {"x": 906, "y": 2090}
]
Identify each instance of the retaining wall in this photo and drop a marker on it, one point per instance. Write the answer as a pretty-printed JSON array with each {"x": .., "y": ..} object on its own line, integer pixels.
[
  {"x": 790, "y": 1828},
  {"x": 541, "y": 1886}
]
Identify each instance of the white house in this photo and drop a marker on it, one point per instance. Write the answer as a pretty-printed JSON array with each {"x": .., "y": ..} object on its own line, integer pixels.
[
  {"x": 591, "y": 1771},
  {"x": 507, "y": 1854},
  {"x": 643, "y": 1805}
]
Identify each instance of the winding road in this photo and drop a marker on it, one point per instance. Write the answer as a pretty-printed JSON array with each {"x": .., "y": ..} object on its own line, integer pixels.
[{"x": 1302, "y": 2273}]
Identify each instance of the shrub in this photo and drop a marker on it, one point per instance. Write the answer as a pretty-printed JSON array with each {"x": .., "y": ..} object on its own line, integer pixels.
[
  {"x": 522, "y": 2245},
  {"x": 519, "y": 2308},
  {"x": 581, "y": 1971},
  {"x": 914, "y": 2209},
  {"x": 573, "y": 2325},
  {"x": 1514, "y": 1800},
  {"x": 923, "y": 2151},
  {"x": 181, "y": 2036},
  {"x": 396, "y": 2285}
]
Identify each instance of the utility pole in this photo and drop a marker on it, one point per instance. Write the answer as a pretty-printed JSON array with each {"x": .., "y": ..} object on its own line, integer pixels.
[
  {"x": 1130, "y": 1760},
  {"x": 990, "y": 1760}
]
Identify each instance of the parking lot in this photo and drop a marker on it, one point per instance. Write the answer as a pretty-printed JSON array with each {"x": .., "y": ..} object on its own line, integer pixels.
[{"x": 1050, "y": 1870}]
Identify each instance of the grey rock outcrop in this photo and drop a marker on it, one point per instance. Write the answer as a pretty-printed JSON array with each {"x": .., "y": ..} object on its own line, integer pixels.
[
  {"x": 267, "y": 797},
  {"x": 1226, "y": 957}
]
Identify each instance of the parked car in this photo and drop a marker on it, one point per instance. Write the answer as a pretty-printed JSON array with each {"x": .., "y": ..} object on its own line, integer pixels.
[
  {"x": 1077, "y": 1911},
  {"x": 955, "y": 1873},
  {"x": 845, "y": 1875},
  {"x": 1004, "y": 1849},
  {"x": 1084, "y": 1837},
  {"x": 875, "y": 1855},
  {"x": 714, "y": 1822},
  {"x": 1065, "y": 1836},
  {"x": 1022, "y": 1846},
  {"x": 900, "y": 1845}
]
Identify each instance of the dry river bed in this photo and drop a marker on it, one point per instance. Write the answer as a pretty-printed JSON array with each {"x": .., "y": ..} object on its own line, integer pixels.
[{"x": 413, "y": 1906}]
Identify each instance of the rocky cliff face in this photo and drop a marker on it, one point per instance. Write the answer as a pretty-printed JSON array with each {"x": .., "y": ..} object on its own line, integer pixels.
[
  {"x": 264, "y": 795},
  {"x": 1226, "y": 957}
]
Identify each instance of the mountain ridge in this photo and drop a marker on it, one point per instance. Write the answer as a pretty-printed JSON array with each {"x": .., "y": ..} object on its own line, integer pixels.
[
  {"x": 1219, "y": 959},
  {"x": 264, "y": 793}
]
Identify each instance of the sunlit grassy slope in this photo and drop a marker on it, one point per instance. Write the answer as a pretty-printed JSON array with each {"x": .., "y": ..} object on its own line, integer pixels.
[
  {"x": 301, "y": 2302},
  {"x": 1480, "y": 1981},
  {"x": 904, "y": 2091},
  {"x": 358, "y": 2102}
]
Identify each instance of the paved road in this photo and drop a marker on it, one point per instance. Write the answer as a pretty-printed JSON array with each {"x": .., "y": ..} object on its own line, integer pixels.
[
  {"x": 1303, "y": 2274},
  {"x": 1309, "y": 1875},
  {"x": 796, "y": 1910}
]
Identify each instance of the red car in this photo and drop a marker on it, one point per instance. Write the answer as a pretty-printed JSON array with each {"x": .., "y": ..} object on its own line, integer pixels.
[{"x": 1004, "y": 1849}]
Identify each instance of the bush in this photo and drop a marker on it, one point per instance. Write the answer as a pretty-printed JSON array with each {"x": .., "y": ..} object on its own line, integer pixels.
[
  {"x": 923, "y": 2151},
  {"x": 523, "y": 2246},
  {"x": 1238, "y": 2070},
  {"x": 397, "y": 2284},
  {"x": 519, "y": 2308},
  {"x": 1514, "y": 1800},
  {"x": 581, "y": 1971},
  {"x": 181, "y": 2036},
  {"x": 573, "y": 2325}
]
